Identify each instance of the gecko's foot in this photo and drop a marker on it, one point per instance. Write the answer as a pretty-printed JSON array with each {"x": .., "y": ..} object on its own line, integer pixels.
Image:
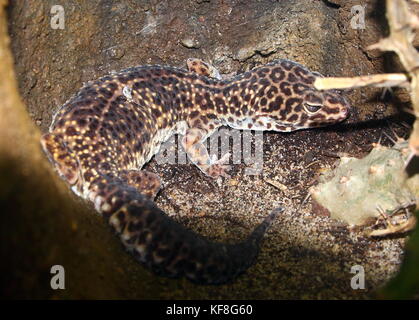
[{"x": 218, "y": 168}]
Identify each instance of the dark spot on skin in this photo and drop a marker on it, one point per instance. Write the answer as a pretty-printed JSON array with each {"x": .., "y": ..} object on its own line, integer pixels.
[
  {"x": 264, "y": 82},
  {"x": 244, "y": 84},
  {"x": 139, "y": 85},
  {"x": 110, "y": 115},
  {"x": 293, "y": 118},
  {"x": 132, "y": 76},
  {"x": 329, "y": 110},
  {"x": 102, "y": 132},
  {"x": 287, "y": 65},
  {"x": 197, "y": 124},
  {"x": 280, "y": 128},
  {"x": 194, "y": 114},
  {"x": 60, "y": 123},
  {"x": 299, "y": 88},
  {"x": 303, "y": 120},
  {"x": 276, "y": 104},
  {"x": 123, "y": 79},
  {"x": 292, "y": 77},
  {"x": 277, "y": 75},
  {"x": 311, "y": 97},
  {"x": 120, "y": 99},
  {"x": 316, "y": 124},
  {"x": 318, "y": 116},
  {"x": 71, "y": 131},
  {"x": 87, "y": 176},
  {"x": 173, "y": 80},
  {"x": 247, "y": 75},
  {"x": 138, "y": 146},
  {"x": 94, "y": 124},
  {"x": 289, "y": 104},
  {"x": 112, "y": 86},
  {"x": 234, "y": 88},
  {"x": 81, "y": 122},
  {"x": 156, "y": 112},
  {"x": 300, "y": 71},
  {"x": 262, "y": 72},
  {"x": 204, "y": 71},
  {"x": 157, "y": 72},
  {"x": 285, "y": 88},
  {"x": 235, "y": 101},
  {"x": 263, "y": 101},
  {"x": 84, "y": 103},
  {"x": 311, "y": 79},
  {"x": 204, "y": 119},
  {"x": 260, "y": 93},
  {"x": 271, "y": 92},
  {"x": 226, "y": 92},
  {"x": 220, "y": 105},
  {"x": 198, "y": 98},
  {"x": 91, "y": 92},
  {"x": 84, "y": 156},
  {"x": 304, "y": 75}
]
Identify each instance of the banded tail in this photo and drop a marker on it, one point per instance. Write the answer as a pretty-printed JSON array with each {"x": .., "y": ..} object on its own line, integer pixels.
[{"x": 165, "y": 246}]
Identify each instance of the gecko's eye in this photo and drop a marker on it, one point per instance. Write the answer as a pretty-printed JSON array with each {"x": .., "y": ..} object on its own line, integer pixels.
[{"x": 311, "y": 108}]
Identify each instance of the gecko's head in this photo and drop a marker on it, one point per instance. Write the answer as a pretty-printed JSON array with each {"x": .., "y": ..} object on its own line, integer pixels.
[
  {"x": 321, "y": 108},
  {"x": 295, "y": 104}
]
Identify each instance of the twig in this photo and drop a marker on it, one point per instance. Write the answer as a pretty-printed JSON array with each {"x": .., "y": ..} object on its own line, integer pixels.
[
  {"x": 374, "y": 80},
  {"x": 402, "y": 24}
]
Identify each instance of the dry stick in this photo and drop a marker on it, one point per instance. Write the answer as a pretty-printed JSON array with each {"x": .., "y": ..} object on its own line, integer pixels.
[
  {"x": 374, "y": 80},
  {"x": 402, "y": 24}
]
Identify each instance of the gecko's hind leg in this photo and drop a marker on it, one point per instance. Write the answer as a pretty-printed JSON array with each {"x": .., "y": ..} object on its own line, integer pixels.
[
  {"x": 61, "y": 157},
  {"x": 147, "y": 183}
]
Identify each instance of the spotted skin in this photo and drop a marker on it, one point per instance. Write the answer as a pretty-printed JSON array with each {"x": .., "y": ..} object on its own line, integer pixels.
[{"x": 100, "y": 139}]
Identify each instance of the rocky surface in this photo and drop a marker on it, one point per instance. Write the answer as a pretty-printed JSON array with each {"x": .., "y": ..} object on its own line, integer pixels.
[{"x": 306, "y": 254}]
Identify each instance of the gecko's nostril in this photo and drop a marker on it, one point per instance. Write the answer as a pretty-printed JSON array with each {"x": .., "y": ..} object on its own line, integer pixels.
[{"x": 348, "y": 111}]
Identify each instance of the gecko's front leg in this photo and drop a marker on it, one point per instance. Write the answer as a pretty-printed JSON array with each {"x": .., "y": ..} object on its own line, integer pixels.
[{"x": 193, "y": 143}]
